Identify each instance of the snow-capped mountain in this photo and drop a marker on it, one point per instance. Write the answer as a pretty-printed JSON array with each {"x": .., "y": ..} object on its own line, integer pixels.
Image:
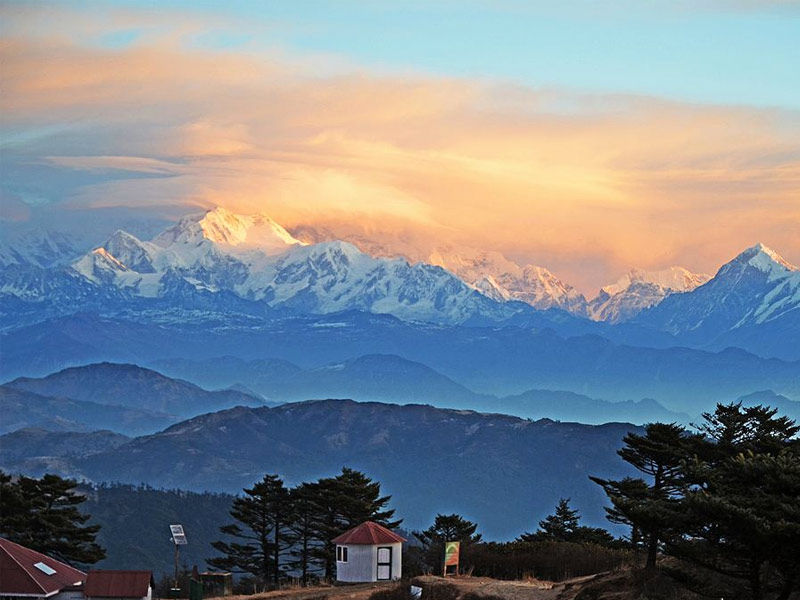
[
  {"x": 752, "y": 300},
  {"x": 638, "y": 290},
  {"x": 503, "y": 279},
  {"x": 236, "y": 258},
  {"x": 489, "y": 272},
  {"x": 37, "y": 248}
]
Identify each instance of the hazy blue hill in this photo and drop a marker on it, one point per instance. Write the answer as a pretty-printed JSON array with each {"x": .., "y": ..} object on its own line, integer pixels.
[
  {"x": 266, "y": 376},
  {"x": 499, "y": 361},
  {"x": 36, "y": 451},
  {"x": 785, "y": 406},
  {"x": 431, "y": 460},
  {"x": 33, "y": 442},
  {"x": 569, "y": 406},
  {"x": 391, "y": 378},
  {"x": 21, "y": 408},
  {"x": 379, "y": 377},
  {"x": 132, "y": 386}
]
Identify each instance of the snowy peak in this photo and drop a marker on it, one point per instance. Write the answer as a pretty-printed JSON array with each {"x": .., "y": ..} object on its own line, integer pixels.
[
  {"x": 501, "y": 279},
  {"x": 131, "y": 252},
  {"x": 672, "y": 279},
  {"x": 38, "y": 248},
  {"x": 755, "y": 288},
  {"x": 224, "y": 228},
  {"x": 638, "y": 289},
  {"x": 760, "y": 257}
]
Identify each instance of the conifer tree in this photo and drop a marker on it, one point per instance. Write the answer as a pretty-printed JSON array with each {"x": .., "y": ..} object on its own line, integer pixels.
[
  {"x": 303, "y": 526},
  {"x": 43, "y": 514},
  {"x": 561, "y": 525},
  {"x": 262, "y": 516},
  {"x": 447, "y": 528},
  {"x": 564, "y": 526},
  {"x": 343, "y": 502},
  {"x": 741, "y": 509},
  {"x": 657, "y": 454}
]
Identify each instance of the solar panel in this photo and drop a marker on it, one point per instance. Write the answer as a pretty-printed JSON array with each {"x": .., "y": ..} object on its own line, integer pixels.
[
  {"x": 46, "y": 569},
  {"x": 178, "y": 536}
]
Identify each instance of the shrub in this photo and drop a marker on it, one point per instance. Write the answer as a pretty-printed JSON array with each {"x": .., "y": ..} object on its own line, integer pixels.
[
  {"x": 437, "y": 591},
  {"x": 553, "y": 561},
  {"x": 398, "y": 592}
]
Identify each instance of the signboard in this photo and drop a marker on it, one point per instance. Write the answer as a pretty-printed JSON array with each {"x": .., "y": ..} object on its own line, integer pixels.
[
  {"x": 451, "y": 554},
  {"x": 178, "y": 536}
]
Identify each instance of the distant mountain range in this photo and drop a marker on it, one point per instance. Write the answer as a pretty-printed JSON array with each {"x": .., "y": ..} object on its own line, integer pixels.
[
  {"x": 431, "y": 460},
  {"x": 487, "y": 360},
  {"x": 241, "y": 270},
  {"x": 124, "y": 397}
]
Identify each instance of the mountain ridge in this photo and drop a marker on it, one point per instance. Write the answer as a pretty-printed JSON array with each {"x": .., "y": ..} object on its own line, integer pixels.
[{"x": 533, "y": 462}]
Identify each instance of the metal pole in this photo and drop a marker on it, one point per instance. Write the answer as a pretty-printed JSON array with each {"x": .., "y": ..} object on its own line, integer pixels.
[{"x": 176, "y": 565}]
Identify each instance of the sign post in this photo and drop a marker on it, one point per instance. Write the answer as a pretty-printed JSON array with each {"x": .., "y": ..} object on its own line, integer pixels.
[
  {"x": 179, "y": 539},
  {"x": 451, "y": 552}
]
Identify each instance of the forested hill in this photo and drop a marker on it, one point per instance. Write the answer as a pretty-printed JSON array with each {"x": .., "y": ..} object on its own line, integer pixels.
[
  {"x": 135, "y": 525},
  {"x": 431, "y": 460}
]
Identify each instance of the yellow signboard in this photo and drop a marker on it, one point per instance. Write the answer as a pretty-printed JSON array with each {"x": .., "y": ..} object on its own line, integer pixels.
[{"x": 451, "y": 554}]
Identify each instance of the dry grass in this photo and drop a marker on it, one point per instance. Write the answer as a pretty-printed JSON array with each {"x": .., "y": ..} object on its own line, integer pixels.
[{"x": 620, "y": 585}]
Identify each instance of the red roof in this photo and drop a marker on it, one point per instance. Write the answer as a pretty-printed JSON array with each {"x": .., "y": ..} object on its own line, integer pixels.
[
  {"x": 117, "y": 584},
  {"x": 19, "y": 574},
  {"x": 368, "y": 533}
]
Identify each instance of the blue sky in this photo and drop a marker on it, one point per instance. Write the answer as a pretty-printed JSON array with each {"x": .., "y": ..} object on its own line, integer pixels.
[{"x": 709, "y": 52}]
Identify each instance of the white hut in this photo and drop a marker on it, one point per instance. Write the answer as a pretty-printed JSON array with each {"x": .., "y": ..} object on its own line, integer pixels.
[{"x": 369, "y": 552}]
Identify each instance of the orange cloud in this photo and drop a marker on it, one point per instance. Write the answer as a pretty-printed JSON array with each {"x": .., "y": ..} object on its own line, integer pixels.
[{"x": 588, "y": 191}]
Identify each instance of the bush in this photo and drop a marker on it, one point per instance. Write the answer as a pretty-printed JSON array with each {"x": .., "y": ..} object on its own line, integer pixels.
[
  {"x": 437, "y": 591},
  {"x": 552, "y": 561},
  {"x": 474, "y": 596},
  {"x": 399, "y": 592}
]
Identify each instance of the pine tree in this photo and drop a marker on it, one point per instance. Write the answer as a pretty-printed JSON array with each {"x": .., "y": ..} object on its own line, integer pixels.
[
  {"x": 741, "y": 513},
  {"x": 564, "y": 526},
  {"x": 657, "y": 454},
  {"x": 561, "y": 525},
  {"x": 302, "y": 528},
  {"x": 263, "y": 514},
  {"x": 43, "y": 514},
  {"x": 343, "y": 502},
  {"x": 447, "y": 528},
  {"x": 625, "y": 495}
]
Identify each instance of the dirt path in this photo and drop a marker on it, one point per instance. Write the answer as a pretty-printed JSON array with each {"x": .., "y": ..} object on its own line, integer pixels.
[
  {"x": 357, "y": 591},
  {"x": 482, "y": 586}
]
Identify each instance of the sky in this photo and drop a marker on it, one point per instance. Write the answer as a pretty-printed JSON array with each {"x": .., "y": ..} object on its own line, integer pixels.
[{"x": 586, "y": 137}]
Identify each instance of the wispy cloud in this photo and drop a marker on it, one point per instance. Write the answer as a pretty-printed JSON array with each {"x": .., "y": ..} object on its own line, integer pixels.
[{"x": 587, "y": 185}]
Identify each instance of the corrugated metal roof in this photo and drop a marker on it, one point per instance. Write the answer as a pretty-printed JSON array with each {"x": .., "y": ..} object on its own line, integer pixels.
[
  {"x": 368, "y": 533},
  {"x": 19, "y": 575},
  {"x": 117, "y": 584}
]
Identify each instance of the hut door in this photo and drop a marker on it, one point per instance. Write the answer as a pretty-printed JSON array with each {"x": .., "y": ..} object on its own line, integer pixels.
[{"x": 384, "y": 563}]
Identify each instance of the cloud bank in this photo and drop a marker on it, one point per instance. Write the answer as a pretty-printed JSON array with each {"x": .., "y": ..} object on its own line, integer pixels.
[{"x": 587, "y": 185}]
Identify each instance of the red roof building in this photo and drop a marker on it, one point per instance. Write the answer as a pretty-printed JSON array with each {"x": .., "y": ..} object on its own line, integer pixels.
[
  {"x": 369, "y": 552},
  {"x": 119, "y": 584},
  {"x": 368, "y": 533},
  {"x": 26, "y": 573}
]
